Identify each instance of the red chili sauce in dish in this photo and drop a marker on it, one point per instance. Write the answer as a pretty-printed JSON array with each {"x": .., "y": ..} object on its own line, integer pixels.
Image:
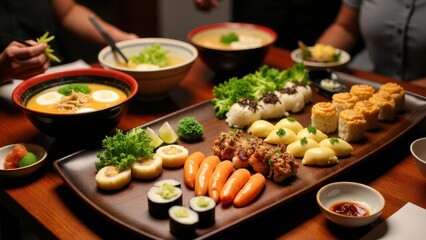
[{"x": 350, "y": 209}]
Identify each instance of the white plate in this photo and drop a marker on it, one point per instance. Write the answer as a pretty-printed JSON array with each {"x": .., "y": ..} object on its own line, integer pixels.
[
  {"x": 296, "y": 55},
  {"x": 39, "y": 151}
]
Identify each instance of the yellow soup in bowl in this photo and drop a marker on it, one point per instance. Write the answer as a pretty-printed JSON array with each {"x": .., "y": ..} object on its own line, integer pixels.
[{"x": 99, "y": 96}]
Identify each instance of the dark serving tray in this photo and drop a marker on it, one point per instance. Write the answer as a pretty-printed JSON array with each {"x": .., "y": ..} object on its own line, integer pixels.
[{"x": 128, "y": 208}]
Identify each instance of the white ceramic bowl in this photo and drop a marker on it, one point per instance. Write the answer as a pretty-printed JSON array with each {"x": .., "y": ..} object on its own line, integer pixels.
[
  {"x": 362, "y": 194},
  {"x": 296, "y": 56},
  {"x": 39, "y": 151},
  {"x": 418, "y": 149},
  {"x": 153, "y": 84}
]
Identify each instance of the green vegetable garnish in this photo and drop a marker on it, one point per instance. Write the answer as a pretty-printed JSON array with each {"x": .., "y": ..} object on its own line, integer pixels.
[
  {"x": 333, "y": 140},
  {"x": 291, "y": 119},
  {"x": 28, "y": 159},
  {"x": 77, "y": 87},
  {"x": 253, "y": 85},
  {"x": 303, "y": 141},
  {"x": 229, "y": 38},
  {"x": 181, "y": 213},
  {"x": 312, "y": 129},
  {"x": 49, "y": 51},
  {"x": 153, "y": 54},
  {"x": 122, "y": 149},
  {"x": 189, "y": 129},
  {"x": 281, "y": 132}
]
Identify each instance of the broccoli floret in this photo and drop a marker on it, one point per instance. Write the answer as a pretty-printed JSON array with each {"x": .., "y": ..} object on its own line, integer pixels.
[{"x": 189, "y": 129}]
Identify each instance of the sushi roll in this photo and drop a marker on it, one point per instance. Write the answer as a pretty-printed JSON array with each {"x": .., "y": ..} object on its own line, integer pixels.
[
  {"x": 183, "y": 222},
  {"x": 271, "y": 106},
  {"x": 205, "y": 207},
  {"x": 303, "y": 88},
  {"x": 171, "y": 181},
  {"x": 343, "y": 100},
  {"x": 362, "y": 91},
  {"x": 370, "y": 112},
  {"x": 324, "y": 117},
  {"x": 161, "y": 198},
  {"x": 294, "y": 101},
  {"x": 397, "y": 93},
  {"x": 386, "y": 105},
  {"x": 243, "y": 113},
  {"x": 351, "y": 125}
]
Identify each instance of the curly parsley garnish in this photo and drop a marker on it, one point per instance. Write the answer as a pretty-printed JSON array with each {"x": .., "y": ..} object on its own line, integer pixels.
[
  {"x": 291, "y": 119},
  {"x": 123, "y": 149}
]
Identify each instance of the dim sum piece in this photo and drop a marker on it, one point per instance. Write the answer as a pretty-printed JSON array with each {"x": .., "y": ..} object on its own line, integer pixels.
[
  {"x": 271, "y": 106},
  {"x": 294, "y": 101},
  {"x": 343, "y": 100},
  {"x": 111, "y": 178},
  {"x": 397, "y": 93},
  {"x": 386, "y": 105},
  {"x": 299, "y": 147},
  {"x": 370, "y": 112},
  {"x": 320, "y": 156},
  {"x": 290, "y": 123},
  {"x": 324, "y": 117},
  {"x": 339, "y": 146},
  {"x": 313, "y": 133},
  {"x": 281, "y": 136},
  {"x": 261, "y": 128},
  {"x": 303, "y": 88},
  {"x": 362, "y": 91},
  {"x": 205, "y": 207},
  {"x": 183, "y": 222},
  {"x": 147, "y": 168},
  {"x": 243, "y": 113},
  {"x": 161, "y": 198},
  {"x": 351, "y": 125}
]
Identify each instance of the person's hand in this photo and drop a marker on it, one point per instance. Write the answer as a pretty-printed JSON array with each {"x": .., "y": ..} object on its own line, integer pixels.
[
  {"x": 21, "y": 62},
  {"x": 206, "y": 5},
  {"x": 118, "y": 35}
]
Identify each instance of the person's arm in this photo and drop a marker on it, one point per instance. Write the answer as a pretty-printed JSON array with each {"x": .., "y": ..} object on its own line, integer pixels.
[
  {"x": 344, "y": 32},
  {"x": 75, "y": 18},
  {"x": 20, "y": 62}
]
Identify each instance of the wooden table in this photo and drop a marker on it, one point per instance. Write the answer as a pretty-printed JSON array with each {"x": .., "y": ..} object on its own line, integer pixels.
[{"x": 49, "y": 208}]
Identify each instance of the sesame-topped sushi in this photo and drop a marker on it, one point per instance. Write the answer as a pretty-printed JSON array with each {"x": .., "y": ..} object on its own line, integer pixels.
[
  {"x": 243, "y": 113},
  {"x": 303, "y": 88},
  {"x": 294, "y": 100},
  {"x": 271, "y": 106}
]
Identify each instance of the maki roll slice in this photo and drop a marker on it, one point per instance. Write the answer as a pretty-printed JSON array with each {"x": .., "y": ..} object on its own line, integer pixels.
[
  {"x": 183, "y": 222},
  {"x": 171, "y": 181},
  {"x": 161, "y": 198},
  {"x": 205, "y": 207}
]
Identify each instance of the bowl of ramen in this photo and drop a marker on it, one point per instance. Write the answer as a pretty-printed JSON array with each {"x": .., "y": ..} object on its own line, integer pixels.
[
  {"x": 350, "y": 204},
  {"x": 82, "y": 103},
  {"x": 157, "y": 64},
  {"x": 232, "y": 47}
]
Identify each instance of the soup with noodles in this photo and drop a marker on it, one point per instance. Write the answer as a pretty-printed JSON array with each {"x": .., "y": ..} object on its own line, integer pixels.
[
  {"x": 246, "y": 39},
  {"x": 100, "y": 96}
]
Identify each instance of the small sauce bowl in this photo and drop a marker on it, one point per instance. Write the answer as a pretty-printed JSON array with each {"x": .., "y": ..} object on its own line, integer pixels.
[
  {"x": 38, "y": 150},
  {"x": 353, "y": 192}
]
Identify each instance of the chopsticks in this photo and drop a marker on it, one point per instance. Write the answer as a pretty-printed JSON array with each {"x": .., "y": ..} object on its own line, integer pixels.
[
  {"x": 107, "y": 38},
  {"x": 13, "y": 38}
]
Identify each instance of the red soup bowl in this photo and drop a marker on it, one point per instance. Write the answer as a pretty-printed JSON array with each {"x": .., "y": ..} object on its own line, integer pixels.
[
  {"x": 88, "y": 122},
  {"x": 244, "y": 53}
]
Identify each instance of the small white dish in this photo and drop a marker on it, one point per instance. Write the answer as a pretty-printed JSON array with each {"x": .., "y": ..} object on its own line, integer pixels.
[
  {"x": 296, "y": 56},
  {"x": 418, "y": 149},
  {"x": 39, "y": 151},
  {"x": 361, "y": 194}
]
